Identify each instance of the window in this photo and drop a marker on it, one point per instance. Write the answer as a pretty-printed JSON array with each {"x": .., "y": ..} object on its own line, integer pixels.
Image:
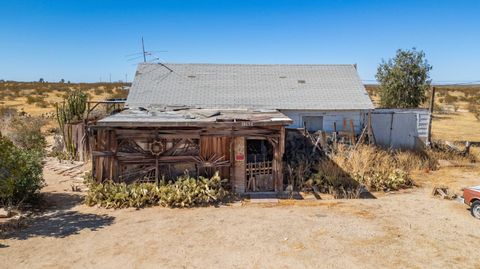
[{"x": 313, "y": 123}]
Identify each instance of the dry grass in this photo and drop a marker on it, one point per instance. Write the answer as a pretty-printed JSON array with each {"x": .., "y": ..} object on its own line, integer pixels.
[
  {"x": 37, "y": 99},
  {"x": 347, "y": 171},
  {"x": 459, "y": 126}
]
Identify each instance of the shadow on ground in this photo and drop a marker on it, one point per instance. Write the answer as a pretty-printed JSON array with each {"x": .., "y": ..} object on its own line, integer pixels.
[
  {"x": 54, "y": 218},
  {"x": 61, "y": 224},
  {"x": 61, "y": 201}
]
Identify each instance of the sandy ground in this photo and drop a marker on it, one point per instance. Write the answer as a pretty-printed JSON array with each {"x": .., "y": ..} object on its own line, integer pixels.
[
  {"x": 457, "y": 126},
  {"x": 409, "y": 229}
]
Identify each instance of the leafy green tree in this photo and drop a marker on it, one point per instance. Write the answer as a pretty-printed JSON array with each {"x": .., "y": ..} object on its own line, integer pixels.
[{"x": 404, "y": 80}]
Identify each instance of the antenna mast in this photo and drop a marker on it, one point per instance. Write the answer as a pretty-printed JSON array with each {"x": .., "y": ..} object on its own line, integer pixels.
[{"x": 144, "y": 53}]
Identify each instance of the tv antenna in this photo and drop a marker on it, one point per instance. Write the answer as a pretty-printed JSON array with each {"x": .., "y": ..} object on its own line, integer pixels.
[
  {"x": 143, "y": 50},
  {"x": 145, "y": 54}
]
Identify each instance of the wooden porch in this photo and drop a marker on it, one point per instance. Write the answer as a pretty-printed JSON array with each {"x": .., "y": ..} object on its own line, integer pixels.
[{"x": 135, "y": 152}]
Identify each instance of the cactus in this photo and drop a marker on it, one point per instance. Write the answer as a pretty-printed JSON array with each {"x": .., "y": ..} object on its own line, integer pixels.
[{"x": 71, "y": 110}]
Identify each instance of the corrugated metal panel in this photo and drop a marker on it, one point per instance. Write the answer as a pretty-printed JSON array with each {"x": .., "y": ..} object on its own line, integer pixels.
[
  {"x": 422, "y": 123},
  {"x": 400, "y": 128}
]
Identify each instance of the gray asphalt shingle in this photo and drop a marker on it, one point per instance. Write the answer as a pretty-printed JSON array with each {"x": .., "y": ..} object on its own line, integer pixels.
[{"x": 324, "y": 87}]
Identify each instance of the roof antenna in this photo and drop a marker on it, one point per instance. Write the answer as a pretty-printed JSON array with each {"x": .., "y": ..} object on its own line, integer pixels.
[
  {"x": 143, "y": 50},
  {"x": 169, "y": 69}
]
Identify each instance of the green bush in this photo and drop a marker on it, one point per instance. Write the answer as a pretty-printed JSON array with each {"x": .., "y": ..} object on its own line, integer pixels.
[
  {"x": 20, "y": 174},
  {"x": 183, "y": 192}
]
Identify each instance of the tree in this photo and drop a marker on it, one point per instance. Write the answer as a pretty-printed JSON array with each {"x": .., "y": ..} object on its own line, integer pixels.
[
  {"x": 404, "y": 79},
  {"x": 41, "y": 80},
  {"x": 62, "y": 81}
]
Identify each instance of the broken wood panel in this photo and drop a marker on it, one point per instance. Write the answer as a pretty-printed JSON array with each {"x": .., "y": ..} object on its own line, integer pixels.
[{"x": 218, "y": 147}]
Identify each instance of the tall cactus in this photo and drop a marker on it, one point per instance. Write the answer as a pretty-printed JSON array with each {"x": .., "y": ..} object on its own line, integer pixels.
[{"x": 71, "y": 110}]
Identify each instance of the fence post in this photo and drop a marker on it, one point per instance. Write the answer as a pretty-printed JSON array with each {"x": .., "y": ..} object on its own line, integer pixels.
[{"x": 432, "y": 104}]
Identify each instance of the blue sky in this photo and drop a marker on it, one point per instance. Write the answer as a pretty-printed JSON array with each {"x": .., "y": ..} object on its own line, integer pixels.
[{"x": 88, "y": 40}]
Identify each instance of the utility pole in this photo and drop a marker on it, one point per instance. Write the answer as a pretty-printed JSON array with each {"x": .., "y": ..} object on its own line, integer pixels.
[
  {"x": 432, "y": 105},
  {"x": 126, "y": 78},
  {"x": 110, "y": 77},
  {"x": 143, "y": 49}
]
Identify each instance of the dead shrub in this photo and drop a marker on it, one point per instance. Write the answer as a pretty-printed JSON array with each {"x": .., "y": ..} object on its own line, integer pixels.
[
  {"x": 98, "y": 91},
  {"x": 368, "y": 166},
  {"x": 300, "y": 159},
  {"x": 442, "y": 151},
  {"x": 473, "y": 108}
]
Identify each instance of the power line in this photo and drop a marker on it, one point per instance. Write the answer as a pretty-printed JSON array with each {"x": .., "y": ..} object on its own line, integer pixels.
[{"x": 438, "y": 82}]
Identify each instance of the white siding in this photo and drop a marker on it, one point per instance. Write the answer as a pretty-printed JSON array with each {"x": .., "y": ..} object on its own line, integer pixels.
[{"x": 329, "y": 117}]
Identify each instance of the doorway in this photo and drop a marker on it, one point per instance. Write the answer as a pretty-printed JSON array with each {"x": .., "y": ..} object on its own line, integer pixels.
[{"x": 259, "y": 166}]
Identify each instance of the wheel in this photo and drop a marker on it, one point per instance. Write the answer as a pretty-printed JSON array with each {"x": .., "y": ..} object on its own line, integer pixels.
[{"x": 475, "y": 209}]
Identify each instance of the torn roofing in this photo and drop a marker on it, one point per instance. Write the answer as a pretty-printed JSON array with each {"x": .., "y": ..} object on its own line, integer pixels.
[
  {"x": 161, "y": 117},
  {"x": 312, "y": 87}
]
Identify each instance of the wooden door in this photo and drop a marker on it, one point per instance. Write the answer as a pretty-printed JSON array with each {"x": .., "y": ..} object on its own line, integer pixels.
[{"x": 216, "y": 148}]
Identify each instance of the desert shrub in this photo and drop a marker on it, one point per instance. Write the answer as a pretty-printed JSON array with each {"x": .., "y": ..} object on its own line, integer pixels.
[
  {"x": 300, "y": 159},
  {"x": 20, "y": 174},
  {"x": 368, "y": 166},
  {"x": 183, "y": 192},
  {"x": 6, "y": 111},
  {"x": 98, "y": 91},
  {"x": 455, "y": 107},
  {"x": 473, "y": 108},
  {"x": 439, "y": 109},
  {"x": 450, "y": 99},
  {"x": 119, "y": 94},
  {"x": 26, "y": 132},
  {"x": 108, "y": 90},
  {"x": 456, "y": 152},
  {"x": 42, "y": 103},
  {"x": 31, "y": 99}
]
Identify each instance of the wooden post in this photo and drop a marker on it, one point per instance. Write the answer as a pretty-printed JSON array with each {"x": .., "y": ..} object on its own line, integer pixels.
[
  {"x": 279, "y": 160},
  {"x": 335, "y": 132},
  {"x": 88, "y": 110},
  {"x": 371, "y": 138},
  {"x": 432, "y": 105},
  {"x": 156, "y": 171},
  {"x": 352, "y": 129}
]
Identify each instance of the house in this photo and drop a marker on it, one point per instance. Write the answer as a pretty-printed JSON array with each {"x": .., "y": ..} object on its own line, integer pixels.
[
  {"x": 313, "y": 96},
  {"x": 226, "y": 117}
]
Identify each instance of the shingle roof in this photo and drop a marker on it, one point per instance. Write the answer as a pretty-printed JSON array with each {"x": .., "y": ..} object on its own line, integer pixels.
[{"x": 324, "y": 87}]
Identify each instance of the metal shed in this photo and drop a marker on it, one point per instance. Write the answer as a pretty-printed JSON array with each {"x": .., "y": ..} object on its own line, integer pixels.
[{"x": 400, "y": 128}]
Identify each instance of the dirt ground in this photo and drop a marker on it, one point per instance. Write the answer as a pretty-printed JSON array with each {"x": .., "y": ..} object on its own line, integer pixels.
[{"x": 407, "y": 229}]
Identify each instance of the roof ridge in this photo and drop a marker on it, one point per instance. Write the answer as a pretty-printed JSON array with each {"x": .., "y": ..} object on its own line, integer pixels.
[{"x": 167, "y": 63}]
